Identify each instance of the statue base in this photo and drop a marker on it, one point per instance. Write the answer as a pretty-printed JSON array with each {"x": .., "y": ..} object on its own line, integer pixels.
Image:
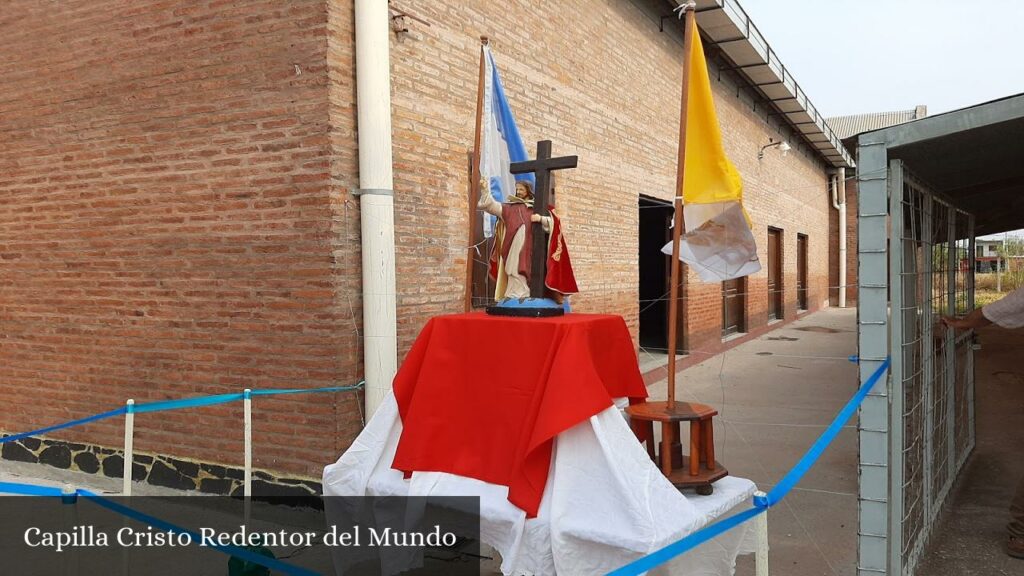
[{"x": 527, "y": 308}]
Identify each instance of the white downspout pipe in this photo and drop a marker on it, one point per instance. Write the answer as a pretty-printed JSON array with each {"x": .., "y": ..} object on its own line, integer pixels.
[
  {"x": 377, "y": 210},
  {"x": 839, "y": 191}
]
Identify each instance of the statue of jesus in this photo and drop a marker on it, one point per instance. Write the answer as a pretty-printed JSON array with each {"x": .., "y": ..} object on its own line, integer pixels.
[{"x": 510, "y": 259}]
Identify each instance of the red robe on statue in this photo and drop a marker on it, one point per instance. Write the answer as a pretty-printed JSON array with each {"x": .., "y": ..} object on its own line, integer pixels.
[{"x": 515, "y": 215}]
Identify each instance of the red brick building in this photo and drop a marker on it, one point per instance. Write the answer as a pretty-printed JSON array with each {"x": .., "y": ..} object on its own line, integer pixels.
[{"x": 177, "y": 215}]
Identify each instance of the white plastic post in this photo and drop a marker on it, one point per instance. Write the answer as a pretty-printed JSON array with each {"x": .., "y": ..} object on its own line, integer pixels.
[
  {"x": 129, "y": 434},
  {"x": 761, "y": 557},
  {"x": 247, "y": 478},
  {"x": 69, "y": 498}
]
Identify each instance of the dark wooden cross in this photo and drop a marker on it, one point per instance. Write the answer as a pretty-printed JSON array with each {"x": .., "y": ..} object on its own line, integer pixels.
[{"x": 542, "y": 168}]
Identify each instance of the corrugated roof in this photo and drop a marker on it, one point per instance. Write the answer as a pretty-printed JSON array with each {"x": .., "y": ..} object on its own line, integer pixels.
[{"x": 846, "y": 126}]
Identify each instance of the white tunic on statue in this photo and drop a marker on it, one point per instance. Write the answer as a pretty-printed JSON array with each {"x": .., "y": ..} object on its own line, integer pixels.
[{"x": 516, "y": 285}]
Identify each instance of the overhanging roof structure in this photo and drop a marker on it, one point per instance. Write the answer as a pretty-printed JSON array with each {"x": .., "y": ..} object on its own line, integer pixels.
[
  {"x": 974, "y": 156},
  {"x": 853, "y": 124},
  {"x": 727, "y": 27}
]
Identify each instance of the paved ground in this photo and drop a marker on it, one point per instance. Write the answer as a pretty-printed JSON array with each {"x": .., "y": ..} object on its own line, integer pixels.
[
  {"x": 776, "y": 394},
  {"x": 969, "y": 540}
]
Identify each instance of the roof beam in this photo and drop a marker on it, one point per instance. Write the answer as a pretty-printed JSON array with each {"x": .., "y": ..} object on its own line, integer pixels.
[{"x": 941, "y": 125}]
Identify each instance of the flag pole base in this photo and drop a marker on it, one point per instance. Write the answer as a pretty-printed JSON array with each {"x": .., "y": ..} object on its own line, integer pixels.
[
  {"x": 699, "y": 469},
  {"x": 527, "y": 308}
]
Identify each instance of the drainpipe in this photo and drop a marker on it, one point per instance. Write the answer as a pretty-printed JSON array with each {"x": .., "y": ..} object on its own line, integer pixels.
[
  {"x": 839, "y": 191},
  {"x": 376, "y": 199}
]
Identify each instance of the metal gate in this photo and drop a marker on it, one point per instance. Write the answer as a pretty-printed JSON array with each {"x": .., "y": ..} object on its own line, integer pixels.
[{"x": 927, "y": 428}]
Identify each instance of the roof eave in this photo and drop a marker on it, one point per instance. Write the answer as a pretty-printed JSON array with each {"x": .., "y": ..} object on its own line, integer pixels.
[{"x": 725, "y": 24}]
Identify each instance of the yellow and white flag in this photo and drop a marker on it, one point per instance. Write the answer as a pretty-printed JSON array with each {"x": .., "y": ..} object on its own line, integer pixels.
[{"x": 718, "y": 242}]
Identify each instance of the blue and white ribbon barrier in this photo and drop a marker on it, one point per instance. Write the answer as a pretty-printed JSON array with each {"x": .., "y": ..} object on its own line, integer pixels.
[
  {"x": 761, "y": 503},
  {"x": 160, "y": 406},
  {"x": 635, "y": 568},
  {"x": 163, "y": 405}
]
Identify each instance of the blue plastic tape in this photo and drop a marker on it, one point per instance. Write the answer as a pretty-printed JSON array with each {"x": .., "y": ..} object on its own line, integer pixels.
[
  {"x": 79, "y": 422},
  {"x": 761, "y": 503},
  {"x": 811, "y": 457},
  {"x": 163, "y": 405},
  {"x": 32, "y": 490},
  {"x": 29, "y": 489},
  {"x": 160, "y": 406},
  {"x": 275, "y": 391},
  {"x": 669, "y": 552},
  {"x": 246, "y": 555}
]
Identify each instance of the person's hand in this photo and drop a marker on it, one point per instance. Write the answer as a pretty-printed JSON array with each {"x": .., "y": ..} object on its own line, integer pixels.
[
  {"x": 956, "y": 323},
  {"x": 534, "y": 217},
  {"x": 975, "y": 319}
]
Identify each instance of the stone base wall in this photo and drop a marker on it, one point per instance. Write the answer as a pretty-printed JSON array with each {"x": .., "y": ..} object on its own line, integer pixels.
[{"x": 164, "y": 471}]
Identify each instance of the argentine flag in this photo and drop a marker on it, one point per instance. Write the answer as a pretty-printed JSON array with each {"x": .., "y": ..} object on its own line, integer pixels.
[{"x": 500, "y": 142}]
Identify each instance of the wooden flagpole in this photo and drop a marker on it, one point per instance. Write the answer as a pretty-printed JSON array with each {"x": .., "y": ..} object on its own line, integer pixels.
[
  {"x": 673, "y": 305},
  {"x": 700, "y": 469},
  {"x": 474, "y": 181}
]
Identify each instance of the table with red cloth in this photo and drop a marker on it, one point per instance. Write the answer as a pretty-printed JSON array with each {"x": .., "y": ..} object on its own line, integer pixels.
[
  {"x": 519, "y": 414},
  {"x": 485, "y": 396}
]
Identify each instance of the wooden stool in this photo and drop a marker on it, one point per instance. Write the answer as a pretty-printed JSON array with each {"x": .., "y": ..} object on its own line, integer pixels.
[{"x": 700, "y": 469}]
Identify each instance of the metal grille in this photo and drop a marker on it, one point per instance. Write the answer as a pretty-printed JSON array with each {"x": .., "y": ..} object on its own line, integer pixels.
[
  {"x": 914, "y": 244},
  {"x": 963, "y": 376},
  {"x": 932, "y": 259}
]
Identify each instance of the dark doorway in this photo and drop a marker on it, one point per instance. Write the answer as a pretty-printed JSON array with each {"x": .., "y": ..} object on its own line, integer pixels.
[
  {"x": 774, "y": 274},
  {"x": 655, "y": 269},
  {"x": 734, "y": 304},
  {"x": 801, "y": 271}
]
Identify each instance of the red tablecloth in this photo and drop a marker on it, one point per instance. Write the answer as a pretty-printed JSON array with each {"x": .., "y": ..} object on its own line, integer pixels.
[{"x": 484, "y": 396}]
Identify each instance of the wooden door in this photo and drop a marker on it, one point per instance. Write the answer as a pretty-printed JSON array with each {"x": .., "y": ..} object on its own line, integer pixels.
[
  {"x": 655, "y": 273},
  {"x": 733, "y": 306},
  {"x": 801, "y": 271},
  {"x": 774, "y": 274}
]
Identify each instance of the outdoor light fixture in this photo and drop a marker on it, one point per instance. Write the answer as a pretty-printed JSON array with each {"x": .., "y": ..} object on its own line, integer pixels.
[{"x": 782, "y": 145}]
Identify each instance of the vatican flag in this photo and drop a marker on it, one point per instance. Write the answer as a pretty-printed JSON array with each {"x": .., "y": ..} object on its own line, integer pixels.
[{"x": 717, "y": 240}]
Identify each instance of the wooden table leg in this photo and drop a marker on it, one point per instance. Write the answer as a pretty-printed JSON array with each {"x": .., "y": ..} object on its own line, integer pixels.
[
  {"x": 645, "y": 429},
  {"x": 709, "y": 443},
  {"x": 666, "y": 447},
  {"x": 649, "y": 433},
  {"x": 694, "y": 447}
]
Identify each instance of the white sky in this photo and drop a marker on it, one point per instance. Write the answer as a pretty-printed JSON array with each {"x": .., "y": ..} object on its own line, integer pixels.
[{"x": 860, "y": 56}]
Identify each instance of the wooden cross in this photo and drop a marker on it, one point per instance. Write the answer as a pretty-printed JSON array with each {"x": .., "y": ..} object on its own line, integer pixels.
[{"x": 542, "y": 168}]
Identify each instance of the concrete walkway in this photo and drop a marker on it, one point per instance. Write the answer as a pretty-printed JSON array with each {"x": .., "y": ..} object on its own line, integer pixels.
[
  {"x": 971, "y": 534},
  {"x": 775, "y": 395}
]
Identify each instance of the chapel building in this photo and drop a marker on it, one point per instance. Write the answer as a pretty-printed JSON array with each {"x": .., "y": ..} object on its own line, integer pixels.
[{"x": 180, "y": 214}]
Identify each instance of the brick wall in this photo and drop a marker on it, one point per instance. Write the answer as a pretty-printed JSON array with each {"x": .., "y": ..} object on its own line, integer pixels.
[
  {"x": 178, "y": 218},
  {"x": 167, "y": 226},
  {"x": 600, "y": 81}
]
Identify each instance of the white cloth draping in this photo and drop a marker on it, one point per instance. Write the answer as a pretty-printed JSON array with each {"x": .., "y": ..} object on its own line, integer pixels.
[{"x": 604, "y": 505}]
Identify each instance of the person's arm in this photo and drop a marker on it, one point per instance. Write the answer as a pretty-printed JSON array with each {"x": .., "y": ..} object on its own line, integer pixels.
[
  {"x": 545, "y": 221},
  {"x": 1007, "y": 312},
  {"x": 487, "y": 203},
  {"x": 975, "y": 319}
]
